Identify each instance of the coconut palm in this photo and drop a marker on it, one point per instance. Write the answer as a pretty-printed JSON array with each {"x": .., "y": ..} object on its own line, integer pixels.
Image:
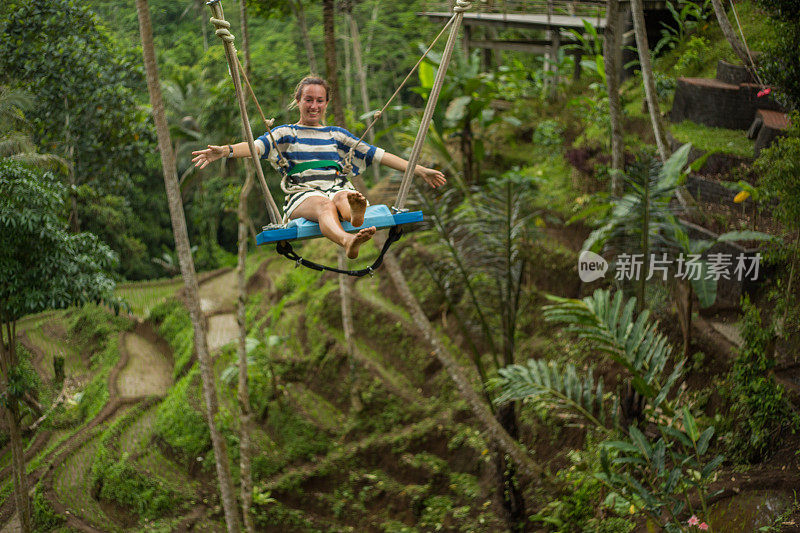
[{"x": 187, "y": 267}]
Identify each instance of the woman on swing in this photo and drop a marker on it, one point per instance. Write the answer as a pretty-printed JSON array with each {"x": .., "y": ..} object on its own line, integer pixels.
[{"x": 323, "y": 195}]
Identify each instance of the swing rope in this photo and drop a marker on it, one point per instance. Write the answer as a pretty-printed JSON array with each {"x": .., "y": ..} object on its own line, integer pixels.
[
  {"x": 458, "y": 14},
  {"x": 223, "y": 32},
  {"x": 752, "y": 67},
  {"x": 348, "y": 166}
]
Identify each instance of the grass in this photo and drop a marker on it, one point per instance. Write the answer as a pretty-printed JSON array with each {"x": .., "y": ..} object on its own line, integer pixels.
[
  {"x": 73, "y": 485},
  {"x": 733, "y": 142},
  {"x": 142, "y": 297},
  {"x": 50, "y": 347}
]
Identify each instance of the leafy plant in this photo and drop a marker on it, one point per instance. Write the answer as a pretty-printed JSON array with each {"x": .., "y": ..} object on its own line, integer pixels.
[
  {"x": 686, "y": 16},
  {"x": 693, "y": 57},
  {"x": 647, "y": 476},
  {"x": 761, "y": 415},
  {"x": 778, "y": 165},
  {"x": 662, "y": 475}
]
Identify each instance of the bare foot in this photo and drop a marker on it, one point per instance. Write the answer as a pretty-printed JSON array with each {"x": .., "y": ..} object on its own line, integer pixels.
[
  {"x": 358, "y": 239},
  {"x": 358, "y": 204}
]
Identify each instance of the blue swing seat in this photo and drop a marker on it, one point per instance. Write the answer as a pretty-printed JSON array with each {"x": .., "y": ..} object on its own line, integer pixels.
[{"x": 379, "y": 216}]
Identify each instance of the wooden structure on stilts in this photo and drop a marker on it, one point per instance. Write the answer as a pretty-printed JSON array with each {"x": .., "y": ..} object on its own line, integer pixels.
[{"x": 547, "y": 21}]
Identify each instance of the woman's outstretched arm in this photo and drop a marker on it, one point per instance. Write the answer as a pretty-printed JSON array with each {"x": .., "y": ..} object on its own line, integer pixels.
[
  {"x": 203, "y": 157},
  {"x": 433, "y": 177}
]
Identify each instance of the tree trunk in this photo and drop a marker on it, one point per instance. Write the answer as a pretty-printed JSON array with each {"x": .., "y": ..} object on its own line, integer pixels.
[
  {"x": 508, "y": 486},
  {"x": 647, "y": 76},
  {"x": 187, "y": 267},
  {"x": 203, "y": 29},
  {"x": 467, "y": 157},
  {"x": 245, "y": 38},
  {"x": 8, "y": 360},
  {"x": 345, "y": 293},
  {"x": 348, "y": 68},
  {"x": 484, "y": 417},
  {"x": 362, "y": 77},
  {"x": 730, "y": 33},
  {"x": 362, "y": 81},
  {"x": 612, "y": 56},
  {"x": 74, "y": 221},
  {"x": 331, "y": 73},
  {"x": 243, "y": 393},
  {"x": 300, "y": 15},
  {"x": 371, "y": 31}
]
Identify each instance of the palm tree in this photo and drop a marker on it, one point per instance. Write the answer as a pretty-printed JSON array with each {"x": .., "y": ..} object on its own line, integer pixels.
[
  {"x": 482, "y": 240},
  {"x": 187, "y": 267}
]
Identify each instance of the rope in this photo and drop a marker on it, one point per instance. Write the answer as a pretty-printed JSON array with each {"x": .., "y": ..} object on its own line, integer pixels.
[
  {"x": 282, "y": 162},
  {"x": 223, "y": 32},
  {"x": 405, "y": 184},
  {"x": 747, "y": 49},
  {"x": 348, "y": 166},
  {"x": 285, "y": 249}
]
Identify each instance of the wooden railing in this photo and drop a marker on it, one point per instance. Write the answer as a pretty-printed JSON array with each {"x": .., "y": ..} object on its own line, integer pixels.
[{"x": 579, "y": 8}]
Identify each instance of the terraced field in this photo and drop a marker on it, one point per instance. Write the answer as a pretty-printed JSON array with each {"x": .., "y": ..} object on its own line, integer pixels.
[{"x": 392, "y": 461}]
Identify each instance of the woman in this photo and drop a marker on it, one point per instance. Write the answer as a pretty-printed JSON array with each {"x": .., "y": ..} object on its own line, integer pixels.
[{"x": 320, "y": 194}]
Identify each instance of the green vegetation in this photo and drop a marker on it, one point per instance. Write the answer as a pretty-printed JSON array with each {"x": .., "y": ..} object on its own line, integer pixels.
[
  {"x": 762, "y": 416},
  {"x": 372, "y": 433},
  {"x": 710, "y": 139},
  {"x": 179, "y": 422},
  {"x": 116, "y": 477}
]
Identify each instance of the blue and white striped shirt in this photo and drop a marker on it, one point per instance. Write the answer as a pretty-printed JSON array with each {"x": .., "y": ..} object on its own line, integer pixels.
[{"x": 299, "y": 144}]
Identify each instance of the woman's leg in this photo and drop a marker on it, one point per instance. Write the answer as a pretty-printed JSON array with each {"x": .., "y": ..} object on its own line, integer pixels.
[
  {"x": 326, "y": 214},
  {"x": 351, "y": 206}
]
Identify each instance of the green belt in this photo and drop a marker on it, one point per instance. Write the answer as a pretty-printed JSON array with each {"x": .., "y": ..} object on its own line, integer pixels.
[{"x": 325, "y": 163}]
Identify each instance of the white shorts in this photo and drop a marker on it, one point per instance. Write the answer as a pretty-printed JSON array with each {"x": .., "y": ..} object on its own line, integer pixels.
[{"x": 294, "y": 200}]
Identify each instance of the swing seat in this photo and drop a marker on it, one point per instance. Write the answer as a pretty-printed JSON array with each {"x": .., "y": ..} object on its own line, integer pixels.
[{"x": 379, "y": 216}]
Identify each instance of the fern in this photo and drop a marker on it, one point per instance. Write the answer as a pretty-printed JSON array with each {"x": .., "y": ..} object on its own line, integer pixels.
[{"x": 556, "y": 388}]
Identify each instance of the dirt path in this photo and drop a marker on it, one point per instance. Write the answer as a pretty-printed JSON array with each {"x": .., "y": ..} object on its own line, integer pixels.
[
  {"x": 218, "y": 293},
  {"x": 149, "y": 369},
  {"x": 222, "y": 329}
]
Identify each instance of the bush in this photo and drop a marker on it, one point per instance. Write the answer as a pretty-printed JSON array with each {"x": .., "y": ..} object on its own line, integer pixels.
[
  {"x": 175, "y": 325},
  {"x": 548, "y": 133},
  {"x": 179, "y": 425},
  {"x": 691, "y": 61},
  {"x": 761, "y": 415},
  {"x": 124, "y": 484},
  {"x": 44, "y": 519}
]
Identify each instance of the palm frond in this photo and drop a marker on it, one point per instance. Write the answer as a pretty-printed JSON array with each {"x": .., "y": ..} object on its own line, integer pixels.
[
  {"x": 556, "y": 388},
  {"x": 633, "y": 342},
  {"x": 13, "y": 103},
  {"x": 44, "y": 161}
]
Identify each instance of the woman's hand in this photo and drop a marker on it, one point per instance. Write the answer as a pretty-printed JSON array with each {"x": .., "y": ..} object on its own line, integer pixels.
[
  {"x": 209, "y": 155},
  {"x": 434, "y": 178}
]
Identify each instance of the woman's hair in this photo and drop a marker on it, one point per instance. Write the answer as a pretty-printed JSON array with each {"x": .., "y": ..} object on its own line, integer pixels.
[{"x": 311, "y": 80}]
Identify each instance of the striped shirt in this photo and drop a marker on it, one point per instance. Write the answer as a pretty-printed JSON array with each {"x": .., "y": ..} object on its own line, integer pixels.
[{"x": 299, "y": 144}]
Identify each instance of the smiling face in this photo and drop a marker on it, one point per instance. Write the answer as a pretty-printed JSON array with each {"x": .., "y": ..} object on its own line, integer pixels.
[{"x": 312, "y": 103}]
